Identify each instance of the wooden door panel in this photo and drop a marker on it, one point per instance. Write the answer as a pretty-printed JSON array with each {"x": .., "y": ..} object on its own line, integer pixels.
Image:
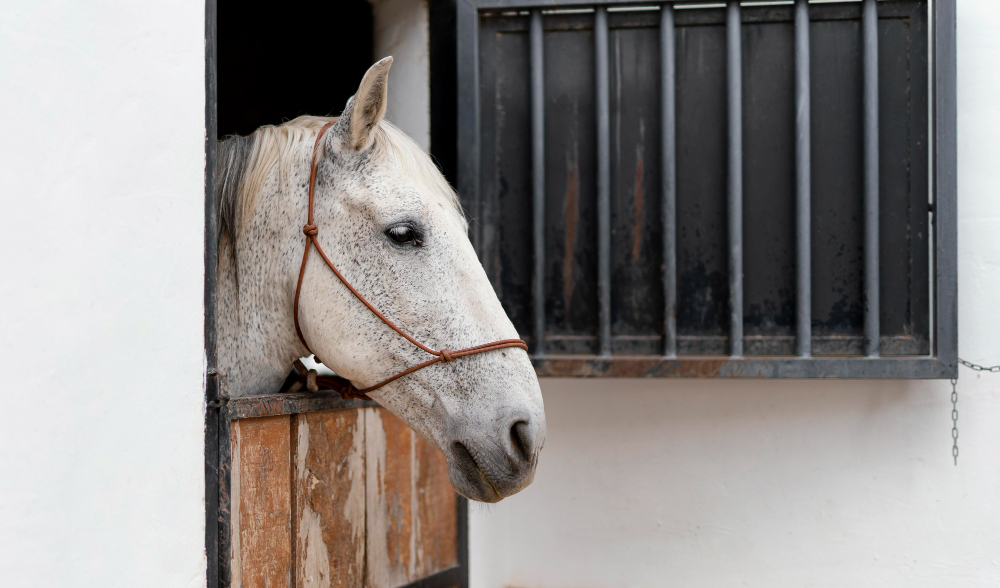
[
  {"x": 344, "y": 498},
  {"x": 412, "y": 513},
  {"x": 329, "y": 495},
  {"x": 437, "y": 512},
  {"x": 262, "y": 547},
  {"x": 389, "y": 499}
]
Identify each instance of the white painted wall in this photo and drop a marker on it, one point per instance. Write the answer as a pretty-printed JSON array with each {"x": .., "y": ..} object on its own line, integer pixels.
[
  {"x": 402, "y": 30},
  {"x": 101, "y": 245},
  {"x": 643, "y": 482},
  {"x": 782, "y": 483}
]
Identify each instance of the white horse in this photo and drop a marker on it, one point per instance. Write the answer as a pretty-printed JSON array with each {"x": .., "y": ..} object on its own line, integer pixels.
[{"x": 394, "y": 228}]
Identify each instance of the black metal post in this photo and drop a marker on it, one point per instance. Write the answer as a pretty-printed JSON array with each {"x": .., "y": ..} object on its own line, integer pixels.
[
  {"x": 734, "y": 72},
  {"x": 869, "y": 22},
  {"x": 945, "y": 187},
  {"x": 603, "y": 178},
  {"x": 538, "y": 176},
  {"x": 803, "y": 182},
  {"x": 668, "y": 134},
  {"x": 212, "y": 378}
]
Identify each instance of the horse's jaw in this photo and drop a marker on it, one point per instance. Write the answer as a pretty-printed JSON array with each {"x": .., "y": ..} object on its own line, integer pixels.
[{"x": 485, "y": 415}]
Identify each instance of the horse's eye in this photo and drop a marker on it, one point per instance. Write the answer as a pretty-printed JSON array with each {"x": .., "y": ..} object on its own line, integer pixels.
[{"x": 402, "y": 234}]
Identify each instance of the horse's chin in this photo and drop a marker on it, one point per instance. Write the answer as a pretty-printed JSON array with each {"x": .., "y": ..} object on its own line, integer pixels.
[{"x": 470, "y": 479}]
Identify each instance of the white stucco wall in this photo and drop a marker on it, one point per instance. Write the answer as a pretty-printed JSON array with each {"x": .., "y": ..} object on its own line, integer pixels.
[
  {"x": 642, "y": 483},
  {"x": 101, "y": 245},
  {"x": 402, "y": 30},
  {"x": 782, "y": 483}
]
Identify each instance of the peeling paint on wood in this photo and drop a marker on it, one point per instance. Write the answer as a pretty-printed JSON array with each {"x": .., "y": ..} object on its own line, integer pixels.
[
  {"x": 377, "y": 520},
  {"x": 412, "y": 514},
  {"x": 329, "y": 490},
  {"x": 262, "y": 533},
  {"x": 234, "y": 496},
  {"x": 345, "y": 497},
  {"x": 435, "y": 532},
  {"x": 392, "y": 542}
]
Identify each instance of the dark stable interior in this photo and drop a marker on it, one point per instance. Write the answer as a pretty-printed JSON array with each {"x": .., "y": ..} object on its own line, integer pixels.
[{"x": 277, "y": 61}]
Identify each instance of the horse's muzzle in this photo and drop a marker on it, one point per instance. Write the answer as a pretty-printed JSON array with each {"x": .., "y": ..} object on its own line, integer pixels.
[{"x": 488, "y": 470}]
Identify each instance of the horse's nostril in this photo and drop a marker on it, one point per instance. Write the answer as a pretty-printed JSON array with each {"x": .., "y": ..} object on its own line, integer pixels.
[{"x": 522, "y": 439}]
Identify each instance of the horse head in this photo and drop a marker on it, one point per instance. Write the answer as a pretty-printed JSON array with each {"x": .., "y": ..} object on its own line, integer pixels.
[{"x": 392, "y": 225}]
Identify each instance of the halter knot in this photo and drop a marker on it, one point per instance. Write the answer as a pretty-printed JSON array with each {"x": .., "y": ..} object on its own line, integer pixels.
[
  {"x": 310, "y": 230},
  {"x": 446, "y": 355}
]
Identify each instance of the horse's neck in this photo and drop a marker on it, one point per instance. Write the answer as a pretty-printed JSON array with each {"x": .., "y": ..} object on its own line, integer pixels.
[{"x": 256, "y": 334}]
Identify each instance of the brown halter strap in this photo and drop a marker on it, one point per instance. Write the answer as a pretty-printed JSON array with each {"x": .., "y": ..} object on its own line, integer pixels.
[{"x": 343, "y": 385}]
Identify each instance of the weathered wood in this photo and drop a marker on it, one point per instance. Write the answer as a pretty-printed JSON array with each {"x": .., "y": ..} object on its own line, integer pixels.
[
  {"x": 412, "y": 514},
  {"x": 345, "y": 497},
  {"x": 329, "y": 486},
  {"x": 389, "y": 499},
  {"x": 437, "y": 512},
  {"x": 261, "y": 497},
  {"x": 277, "y": 404}
]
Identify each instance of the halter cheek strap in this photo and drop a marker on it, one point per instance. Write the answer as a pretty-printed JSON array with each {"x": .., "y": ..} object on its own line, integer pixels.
[{"x": 343, "y": 385}]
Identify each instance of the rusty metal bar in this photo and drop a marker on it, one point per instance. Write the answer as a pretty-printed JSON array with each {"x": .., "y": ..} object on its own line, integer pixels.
[
  {"x": 603, "y": 178},
  {"x": 668, "y": 136},
  {"x": 803, "y": 180},
  {"x": 871, "y": 176},
  {"x": 538, "y": 177},
  {"x": 742, "y": 367},
  {"x": 945, "y": 157},
  {"x": 735, "y": 196}
]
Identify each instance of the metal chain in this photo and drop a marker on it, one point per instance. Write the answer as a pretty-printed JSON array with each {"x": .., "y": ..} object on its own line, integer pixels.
[
  {"x": 993, "y": 369},
  {"x": 954, "y": 420}
]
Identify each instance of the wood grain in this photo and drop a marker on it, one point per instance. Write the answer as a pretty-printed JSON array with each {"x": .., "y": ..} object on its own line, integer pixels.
[
  {"x": 343, "y": 498},
  {"x": 437, "y": 511},
  {"x": 329, "y": 497},
  {"x": 389, "y": 499},
  {"x": 412, "y": 517},
  {"x": 261, "y": 494}
]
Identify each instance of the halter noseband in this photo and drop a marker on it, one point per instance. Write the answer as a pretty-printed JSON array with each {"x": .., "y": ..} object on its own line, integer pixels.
[{"x": 343, "y": 385}]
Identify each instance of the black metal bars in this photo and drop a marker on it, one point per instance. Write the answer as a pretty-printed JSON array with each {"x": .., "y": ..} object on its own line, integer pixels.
[
  {"x": 869, "y": 23},
  {"x": 603, "y": 178},
  {"x": 538, "y": 177},
  {"x": 734, "y": 83},
  {"x": 668, "y": 136},
  {"x": 803, "y": 179},
  {"x": 812, "y": 326},
  {"x": 734, "y": 179}
]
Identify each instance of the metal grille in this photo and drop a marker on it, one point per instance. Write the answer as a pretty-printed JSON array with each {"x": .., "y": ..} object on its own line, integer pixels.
[{"x": 612, "y": 265}]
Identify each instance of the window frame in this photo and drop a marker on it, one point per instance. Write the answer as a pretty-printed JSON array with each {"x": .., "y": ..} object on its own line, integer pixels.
[{"x": 941, "y": 363}]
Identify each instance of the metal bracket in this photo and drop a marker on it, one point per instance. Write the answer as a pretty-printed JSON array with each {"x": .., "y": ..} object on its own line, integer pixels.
[{"x": 222, "y": 398}]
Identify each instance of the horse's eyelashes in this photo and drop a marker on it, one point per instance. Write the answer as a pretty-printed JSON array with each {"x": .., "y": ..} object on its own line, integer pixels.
[{"x": 404, "y": 234}]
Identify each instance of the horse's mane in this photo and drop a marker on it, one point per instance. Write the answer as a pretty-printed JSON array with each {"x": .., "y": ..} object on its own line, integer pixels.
[{"x": 244, "y": 163}]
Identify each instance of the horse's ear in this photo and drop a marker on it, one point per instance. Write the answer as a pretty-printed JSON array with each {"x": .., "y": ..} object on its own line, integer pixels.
[{"x": 366, "y": 108}]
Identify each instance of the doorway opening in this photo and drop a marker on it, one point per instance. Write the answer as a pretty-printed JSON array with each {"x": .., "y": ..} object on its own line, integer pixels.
[{"x": 280, "y": 61}]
